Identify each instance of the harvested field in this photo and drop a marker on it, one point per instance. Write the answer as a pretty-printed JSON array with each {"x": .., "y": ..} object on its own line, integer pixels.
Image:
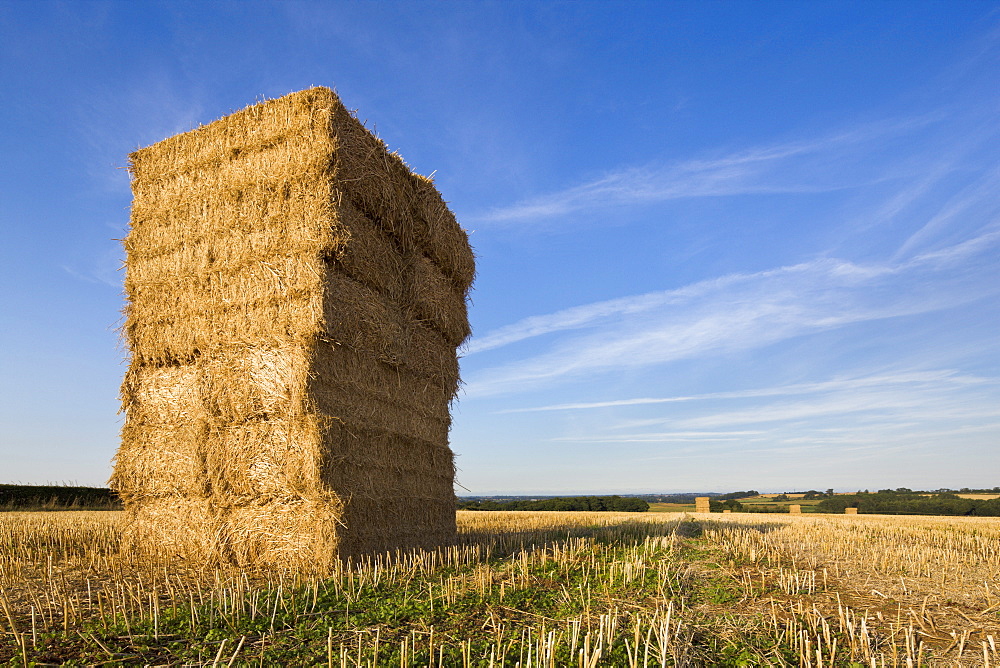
[{"x": 539, "y": 589}]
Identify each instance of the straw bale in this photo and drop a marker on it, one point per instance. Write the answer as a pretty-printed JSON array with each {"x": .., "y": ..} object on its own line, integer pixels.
[
  {"x": 296, "y": 296},
  {"x": 405, "y": 205},
  {"x": 345, "y": 405},
  {"x": 236, "y": 383},
  {"x": 168, "y": 339},
  {"x": 396, "y": 477},
  {"x": 436, "y": 302},
  {"x": 303, "y": 115},
  {"x": 428, "y": 524},
  {"x": 364, "y": 321},
  {"x": 356, "y": 450},
  {"x": 369, "y": 256},
  {"x": 447, "y": 243},
  {"x": 290, "y": 178},
  {"x": 390, "y": 483},
  {"x": 265, "y": 459},
  {"x": 339, "y": 365},
  {"x": 260, "y": 221},
  {"x": 253, "y": 382},
  {"x": 428, "y": 354},
  {"x": 295, "y": 532},
  {"x": 163, "y": 394},
  {"x": 225, "y": 286},
  {"x": 381, "y": 186},
  {"x": 178, "y": 526},
  {"x": 161, "y": 460}
]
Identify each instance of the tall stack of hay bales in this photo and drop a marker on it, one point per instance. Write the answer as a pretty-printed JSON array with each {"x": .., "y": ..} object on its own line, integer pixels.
[
  {"x": 296, "y": 296},
  {"x": 702, "y": 504}
]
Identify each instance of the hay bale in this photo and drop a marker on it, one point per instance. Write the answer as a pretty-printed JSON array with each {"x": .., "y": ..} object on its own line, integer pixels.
[
  {"x": 295, "y": 299},
  {"x": 795, "y": 509},
  {"x": 702, "y": 504},
  {"x": 850, "y": 511}
]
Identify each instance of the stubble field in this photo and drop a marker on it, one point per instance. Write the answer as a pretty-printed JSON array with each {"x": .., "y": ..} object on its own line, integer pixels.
[{"x": 523, "y": 589}]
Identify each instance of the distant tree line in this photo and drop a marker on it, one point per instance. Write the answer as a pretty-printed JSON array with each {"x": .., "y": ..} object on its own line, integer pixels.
[
  {"x": 57, "y": 497},
  {"x": 903, "y": 501},
  {"x": 815, "y": 494},
  {"x": 668, "y": 498},
  {"x": 735, "y": 495},
  {"x": 613, "y": 503},
  {"x": 717, "y": 506},
  {"x": 689, "y": 498},
  {"x": 804, "y": 496},
  {"x": 966, "y": 490}
]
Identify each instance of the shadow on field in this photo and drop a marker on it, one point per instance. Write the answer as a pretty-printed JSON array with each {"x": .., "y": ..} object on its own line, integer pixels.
[{"x": 508, "y": 538}]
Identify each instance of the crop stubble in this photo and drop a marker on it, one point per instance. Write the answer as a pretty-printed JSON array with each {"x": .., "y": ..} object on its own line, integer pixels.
[{"x": 552, "y": 588}]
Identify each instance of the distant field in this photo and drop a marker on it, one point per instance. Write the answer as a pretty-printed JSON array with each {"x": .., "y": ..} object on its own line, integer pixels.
[
  {"x": 768, "y": 499},
  {"x": 671, "y": 507},
  {"x": 523, "y": 588},
  {"x": 762, "y": 500}
]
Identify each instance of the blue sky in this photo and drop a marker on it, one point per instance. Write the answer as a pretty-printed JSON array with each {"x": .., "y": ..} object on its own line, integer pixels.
[{"x": 720, "y": 245}]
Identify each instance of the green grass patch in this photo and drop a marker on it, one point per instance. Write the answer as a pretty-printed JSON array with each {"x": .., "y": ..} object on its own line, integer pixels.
[{"x": 615, "y": 595}]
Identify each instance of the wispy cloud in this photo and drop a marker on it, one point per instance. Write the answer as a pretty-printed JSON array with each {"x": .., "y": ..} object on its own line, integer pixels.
[
  {"x": 736, "y": 312},
  {"x": 666, "y": 437},
  {"x": 588, "y": 315},
  {"x": 823, "y": 164},
  {"x": 850, "y": 416},
  {"x": 937, "y": 378},
  {"x": 116, "y": 121},
  {"x": 977, "y": 204},
  {"x": 571, "y": 318},
  {"x": 884, "y": 405},
  {"x": 104, "y": 265}
]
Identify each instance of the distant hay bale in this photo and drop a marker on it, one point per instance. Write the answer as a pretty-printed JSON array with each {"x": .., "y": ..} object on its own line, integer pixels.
[
  {"x": 850, "y": 511},
  {"x": 295, "y": 299},
  {"x": 795, "y": 509},
  {"x": 702, "y": 504}
]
